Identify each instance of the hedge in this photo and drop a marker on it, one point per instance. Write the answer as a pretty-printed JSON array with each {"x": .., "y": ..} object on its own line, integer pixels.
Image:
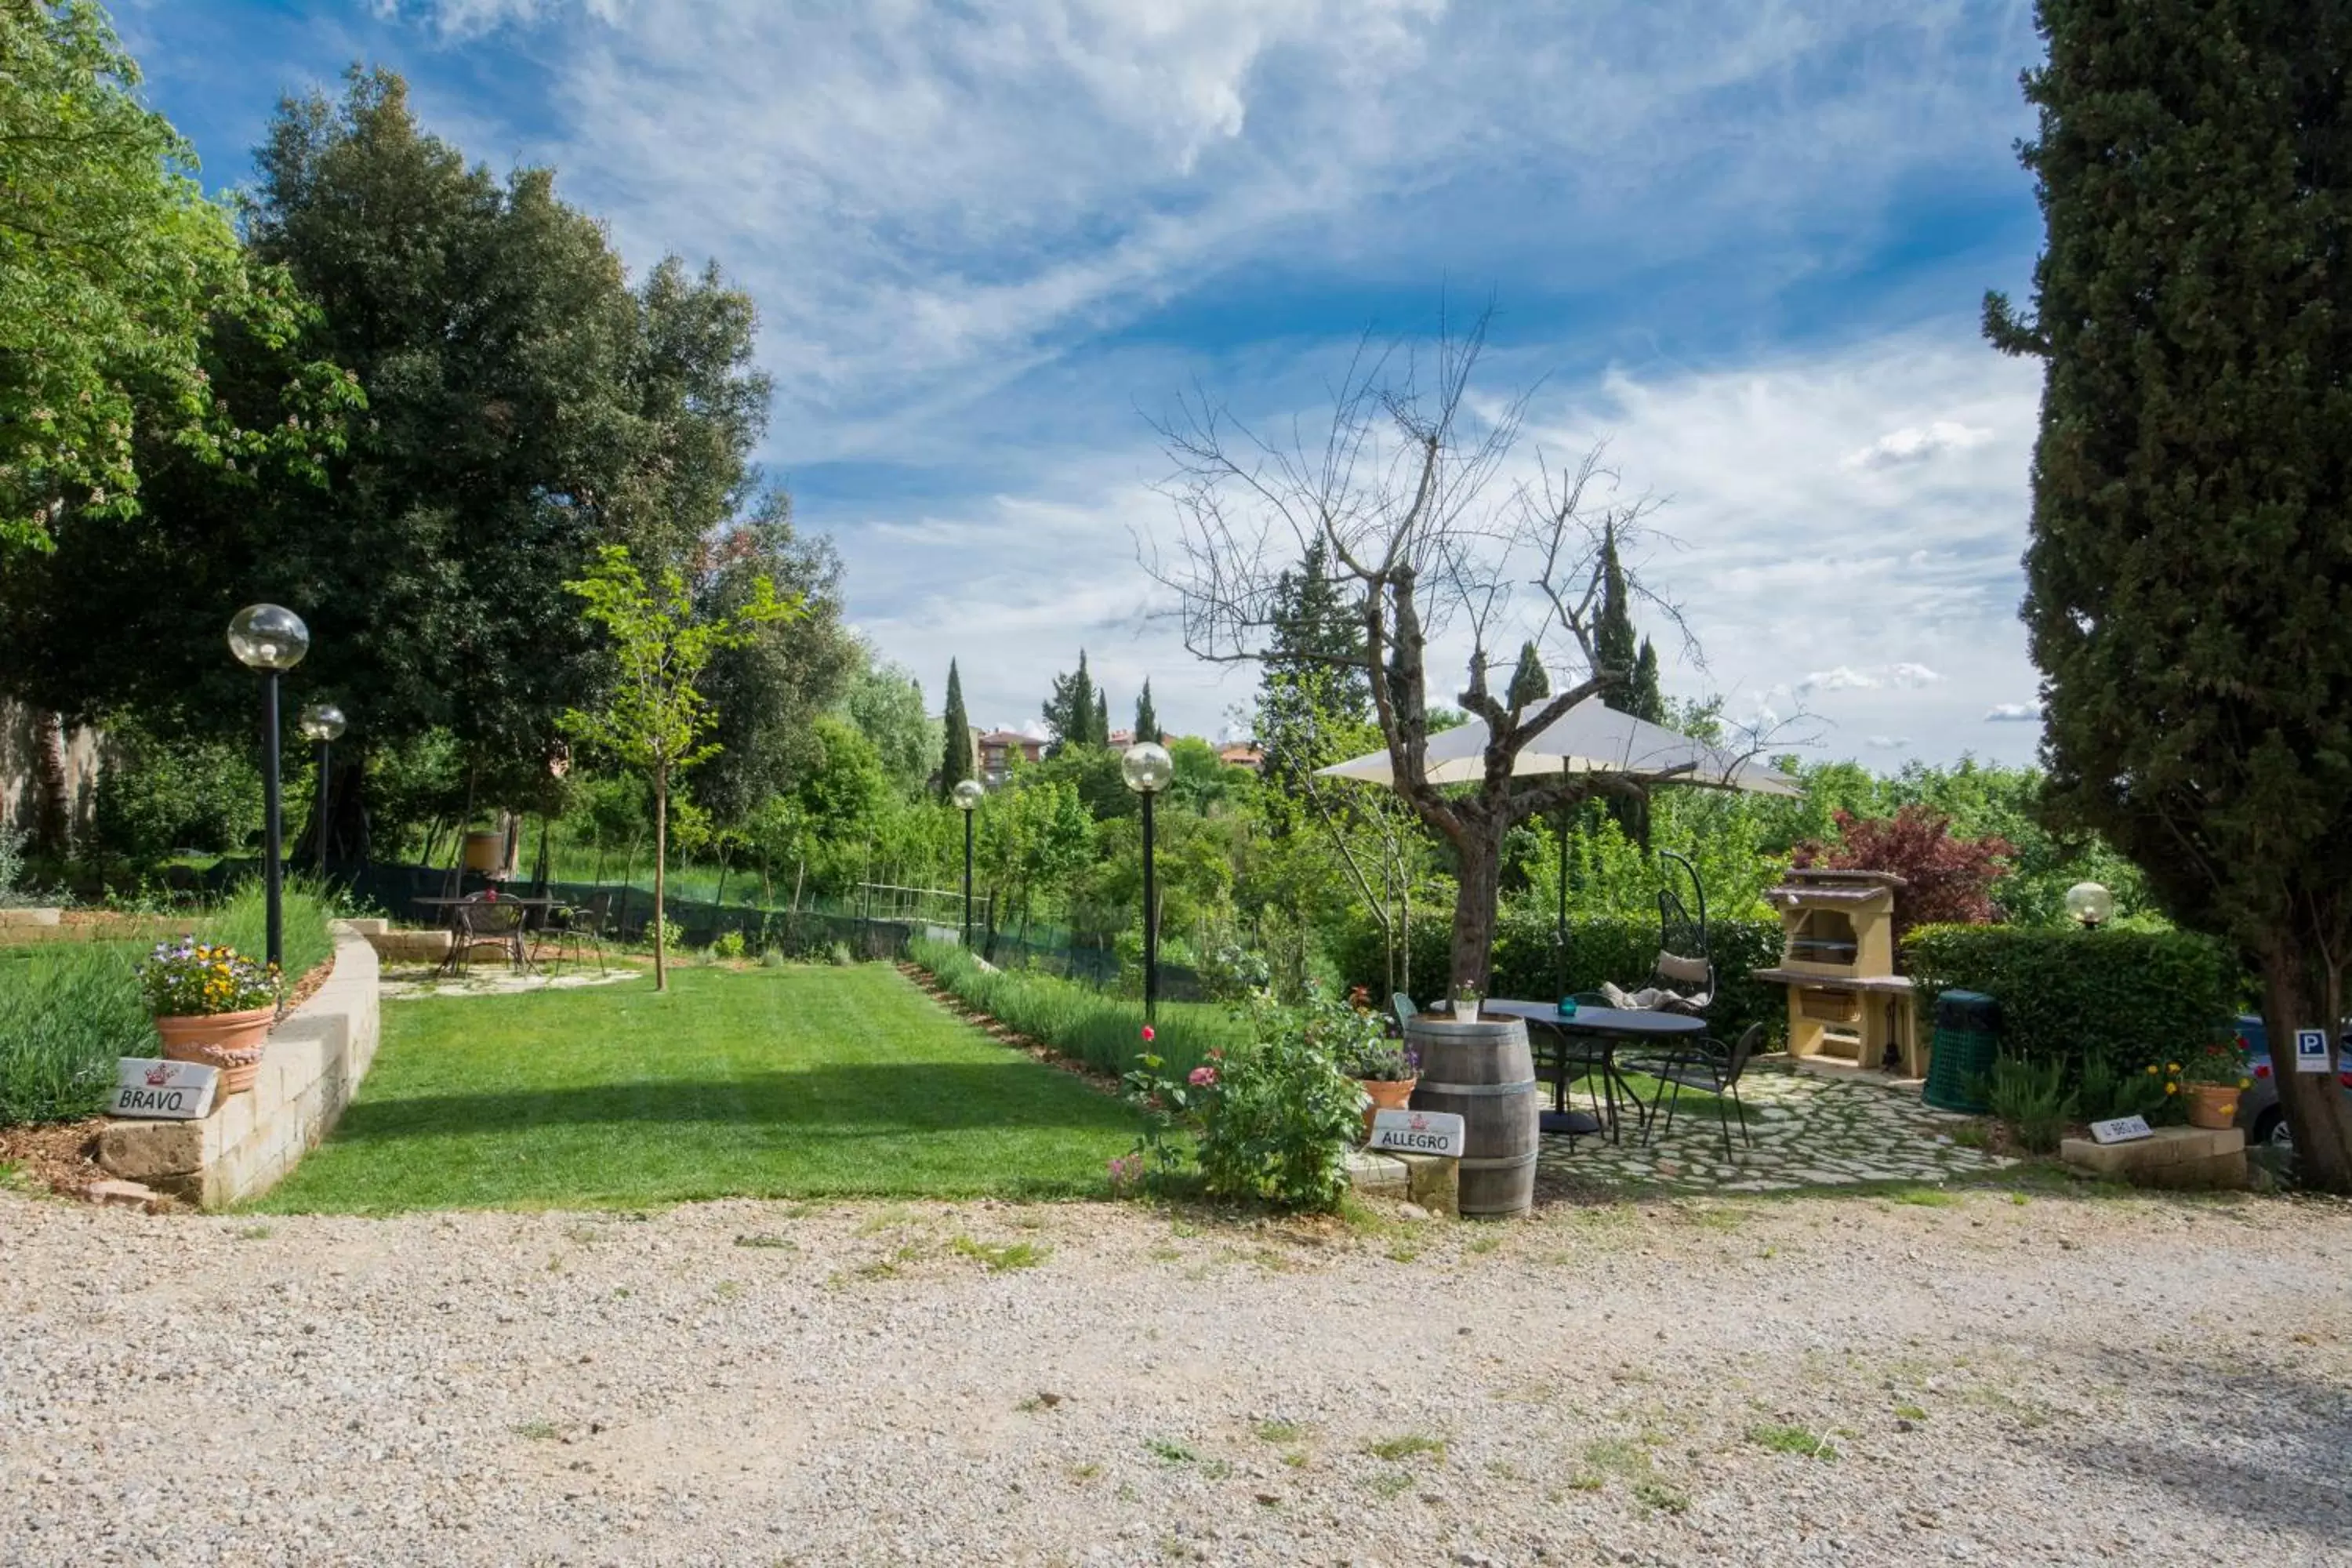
[
  {"x": 1104, "y": 1032},
  {"x": 2132, "y": 995},
  {"x": 1622, "y": 950}
]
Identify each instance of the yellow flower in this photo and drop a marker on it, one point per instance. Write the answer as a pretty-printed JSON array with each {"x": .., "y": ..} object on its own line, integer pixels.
[
  {"x": 2245, "y": 1083},
  {"x": 2151, "y": 1070},
  {"x": 2172, "y": 1067},
  {"x": 2172, "y": 1088}
]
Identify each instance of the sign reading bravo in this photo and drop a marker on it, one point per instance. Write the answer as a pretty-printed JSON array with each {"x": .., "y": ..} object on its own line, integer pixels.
[
  {"x": 172, "y": 1091},
  {"x": 1417, "y": 1132}
]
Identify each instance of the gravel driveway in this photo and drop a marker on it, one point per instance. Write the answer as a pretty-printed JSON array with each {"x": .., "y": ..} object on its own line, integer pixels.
[{"x": 2062, "y": 1380}]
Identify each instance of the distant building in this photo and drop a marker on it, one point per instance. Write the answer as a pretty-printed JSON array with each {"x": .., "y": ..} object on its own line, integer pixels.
[
  {"x": 1121, "y": 738},
  {"x": 995, "y": 750},
  {"x": 1241, "y": 754}
]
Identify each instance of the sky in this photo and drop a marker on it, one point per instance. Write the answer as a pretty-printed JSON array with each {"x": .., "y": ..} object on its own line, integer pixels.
[{"x": 1743, "y": 242}]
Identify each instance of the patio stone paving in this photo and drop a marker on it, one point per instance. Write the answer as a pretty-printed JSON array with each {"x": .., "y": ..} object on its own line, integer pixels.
[
  {"x": 495, "y": 979},
  {"x": 1809, "y": 1132}
]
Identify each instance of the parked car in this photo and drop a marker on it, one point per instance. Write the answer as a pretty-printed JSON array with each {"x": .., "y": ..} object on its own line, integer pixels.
[{"x": 2259, "y": 1111}]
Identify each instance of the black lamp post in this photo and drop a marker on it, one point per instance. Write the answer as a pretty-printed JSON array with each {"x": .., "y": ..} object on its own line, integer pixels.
[
  {"x": 272, "y": 641},
  {"x": 967, "y": 794},
  {"x": 1147, "y": 768},
  {"x": 322, "y": 722}
]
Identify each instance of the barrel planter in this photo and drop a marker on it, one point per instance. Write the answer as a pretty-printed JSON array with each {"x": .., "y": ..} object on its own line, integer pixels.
[{"x": 1481, "y": 1070}]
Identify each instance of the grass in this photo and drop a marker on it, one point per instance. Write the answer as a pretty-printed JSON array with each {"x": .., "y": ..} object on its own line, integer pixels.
[
  {"x": 68, "y": 1008},
  {"x": 1783, "y": 1439},
  {"x": 997, "y": 1258},
  {"x": 1406, "y": 1447},
  {"x": 793, "y": 1082},
  {"x": 1104, "y": 1031}
]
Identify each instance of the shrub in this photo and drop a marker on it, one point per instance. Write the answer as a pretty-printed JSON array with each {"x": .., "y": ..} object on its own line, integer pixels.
[
  {"x": 1273, "y": 1117},
  {"x": 2108, "y": 1090},
  {"x": 1104, "y": 1031},
  {"x": 2133, "y": 996},
  {"x": 730, "y": 945},
  {"x": 2032, "y": 1100}
]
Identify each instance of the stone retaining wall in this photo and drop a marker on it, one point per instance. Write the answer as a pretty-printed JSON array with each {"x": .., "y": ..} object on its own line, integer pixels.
[{"x": 315, "y": 1059}]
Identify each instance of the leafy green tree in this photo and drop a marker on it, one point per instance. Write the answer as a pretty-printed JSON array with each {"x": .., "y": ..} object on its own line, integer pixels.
[
  {"x": 654, "y": 720},
  {"x": 956, "y": 762},
  {"x": 768, "y": 692},
  {"x": 524, "y": 407},
  {"x": 1147, "y": 719},
  {"x": 114, "y": 267},
  {"x": 886, "y": 703},
  {"x": 1070, "y": 711},
  {"x": 2190, "y": 556}
]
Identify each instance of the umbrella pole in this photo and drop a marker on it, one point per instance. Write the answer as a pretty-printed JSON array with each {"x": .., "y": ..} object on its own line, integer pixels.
[{"x": 1563, "y": 903}]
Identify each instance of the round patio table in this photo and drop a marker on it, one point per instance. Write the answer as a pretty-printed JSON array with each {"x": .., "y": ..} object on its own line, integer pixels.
[{"x": 1608, "y": 1026}]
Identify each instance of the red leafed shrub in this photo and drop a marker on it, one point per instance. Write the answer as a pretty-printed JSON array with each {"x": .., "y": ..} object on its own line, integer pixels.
[{"x": 1949, "y": 880}]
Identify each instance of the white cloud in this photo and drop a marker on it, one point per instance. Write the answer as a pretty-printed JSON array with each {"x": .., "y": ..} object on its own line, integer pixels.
[
  {"x": 2013, "y": 713},
  {"x": 1888, "y": 742},
  {"x": 1917, "y": 444}
]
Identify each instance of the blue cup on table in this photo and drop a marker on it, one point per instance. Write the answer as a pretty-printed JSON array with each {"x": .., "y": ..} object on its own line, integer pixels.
[{"x": 1567, "y": 1006}]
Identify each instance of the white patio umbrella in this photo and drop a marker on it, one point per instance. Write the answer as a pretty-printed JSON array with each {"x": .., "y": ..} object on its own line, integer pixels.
[{"x": 1590, "y": 738}]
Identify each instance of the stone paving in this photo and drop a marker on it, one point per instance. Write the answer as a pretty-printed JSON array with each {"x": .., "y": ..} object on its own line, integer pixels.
[
  {"x": 1809, "y": 1132},
  {"x": 491, "y": 979}
]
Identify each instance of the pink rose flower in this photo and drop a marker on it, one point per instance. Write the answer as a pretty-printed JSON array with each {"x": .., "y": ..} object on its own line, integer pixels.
[{"x": 1203, "y": 1078}]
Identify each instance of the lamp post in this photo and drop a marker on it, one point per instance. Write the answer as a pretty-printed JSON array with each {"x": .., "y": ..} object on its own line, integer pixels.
[
  {"x": 2089, "y": 905},
  {"x": 1146, "y": 768},
  {"x": 967, "y": 794},
  {"x": 271, "y": 640},
  {"x": 322, "y": 722}
]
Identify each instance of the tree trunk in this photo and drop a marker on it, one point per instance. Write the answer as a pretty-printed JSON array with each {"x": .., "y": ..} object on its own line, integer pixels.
[
  {"x": 2301, "y": 993},
  {"x": 661, "y": 870},
  {"x": 1480, "y": 855}
]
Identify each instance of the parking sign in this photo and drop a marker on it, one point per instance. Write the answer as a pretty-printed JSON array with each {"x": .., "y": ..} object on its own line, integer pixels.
[{"x": 2311, "y": 1051}]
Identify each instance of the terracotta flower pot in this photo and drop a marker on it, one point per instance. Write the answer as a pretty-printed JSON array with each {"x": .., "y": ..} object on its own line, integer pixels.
[
  {"x": 232, "y": 1042},
  {"x": 1388, "y": 1094},
  {"x": 2212, "y": 1105}
]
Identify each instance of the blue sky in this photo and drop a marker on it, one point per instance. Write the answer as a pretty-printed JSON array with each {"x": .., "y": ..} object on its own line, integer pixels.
[{"x": 1742, "y": 241}]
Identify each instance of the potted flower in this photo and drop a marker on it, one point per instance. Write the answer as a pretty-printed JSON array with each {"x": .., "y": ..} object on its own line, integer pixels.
[
  {"x": 2212, "y": 1074},
  {"x": 1386, "y": 1071},
  {"x": 211, "y": 1005}
]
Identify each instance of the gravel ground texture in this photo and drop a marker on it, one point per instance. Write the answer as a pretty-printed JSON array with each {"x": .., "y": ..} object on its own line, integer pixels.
[{"x": 1830, "y": 1379}]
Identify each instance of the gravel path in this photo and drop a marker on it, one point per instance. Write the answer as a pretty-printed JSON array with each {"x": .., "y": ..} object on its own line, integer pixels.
[{"x": 2066, "y": 1380}]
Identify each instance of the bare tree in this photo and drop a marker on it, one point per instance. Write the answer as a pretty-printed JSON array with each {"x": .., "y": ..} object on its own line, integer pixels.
[{"x": 1432, "y": 540}]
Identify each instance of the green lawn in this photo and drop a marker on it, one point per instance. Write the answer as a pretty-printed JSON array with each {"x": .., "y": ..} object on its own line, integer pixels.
[{"x": 759, "y": 1082}]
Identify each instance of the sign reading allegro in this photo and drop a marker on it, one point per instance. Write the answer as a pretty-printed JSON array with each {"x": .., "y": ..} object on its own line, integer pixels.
[
  {"x": 146, "y": 1086},
  {"x": 1417, "y": 1132}
]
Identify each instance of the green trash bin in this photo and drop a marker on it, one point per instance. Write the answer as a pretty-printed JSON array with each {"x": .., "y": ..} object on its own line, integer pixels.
[{"x": 1968, "y": 1034}]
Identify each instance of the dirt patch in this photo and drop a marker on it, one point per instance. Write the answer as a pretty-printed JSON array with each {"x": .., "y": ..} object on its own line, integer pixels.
[{"x": 59, "y": 1156}]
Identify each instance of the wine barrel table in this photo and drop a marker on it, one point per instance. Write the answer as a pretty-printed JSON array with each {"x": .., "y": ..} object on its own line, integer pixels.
[{"x": 1482, "y": 1070}]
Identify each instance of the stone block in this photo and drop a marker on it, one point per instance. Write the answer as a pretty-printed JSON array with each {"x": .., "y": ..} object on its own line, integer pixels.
[
  {"x": 122, "y": 1194},
  {"x": 369, "y": 926},
  {"x": 1434, "y": 1183},
  {"x": 411, "y": 946},
  {"x": 2176, "y": 1158},
  {"x": 144, "y": 1150},
  {"x": 31, "y": 917},
  {"x": 1379, "y": 1175}
]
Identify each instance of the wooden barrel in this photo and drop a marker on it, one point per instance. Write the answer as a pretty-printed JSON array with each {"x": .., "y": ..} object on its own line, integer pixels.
[{"x": 1483, "y": 1072}]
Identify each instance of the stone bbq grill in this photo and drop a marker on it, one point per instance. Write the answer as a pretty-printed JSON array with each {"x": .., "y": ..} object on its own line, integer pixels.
[{"x": 1846, "y": 1003}]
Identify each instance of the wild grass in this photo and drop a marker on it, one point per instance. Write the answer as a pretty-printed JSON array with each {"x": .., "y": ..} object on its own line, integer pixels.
[
  {"x": 1104, "y": 1031},
  {"x": 68, "y": 1008}
]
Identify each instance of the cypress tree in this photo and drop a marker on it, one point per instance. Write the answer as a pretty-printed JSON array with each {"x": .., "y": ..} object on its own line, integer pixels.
[
  {"x": 956, "y": 761},
  {"x": 1643, "y": 699},
  {"x": 1147, "y": 722},
  {"x": 2190, "y": 557},
  {"x": 1069, "y": 712},
  {"x": 1099, "y": 732},
  {"x": 1614, "y": 653},
  {"x": 1529, "y": 684}
]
